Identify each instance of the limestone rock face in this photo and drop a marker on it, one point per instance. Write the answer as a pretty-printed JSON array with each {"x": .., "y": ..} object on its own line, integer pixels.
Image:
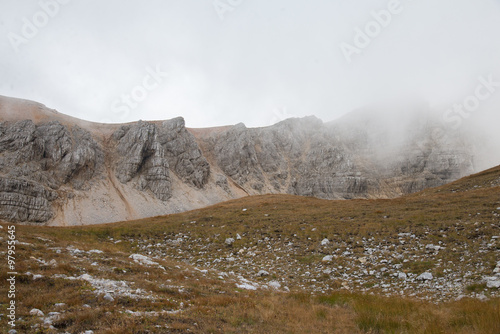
[
  {"x": 296, "y": 156},
  {"x": 53, "y": 166},
  {"x": 236, "y": 156},
  {"x": 406, "y": 152},
  {"x": 183, "y": 153},
  {"x": 141, "y": 156},
  {"x": 148, "y": 152},
  {"x": 36, "y": 160},
  {"x": 22, "y": 200}
]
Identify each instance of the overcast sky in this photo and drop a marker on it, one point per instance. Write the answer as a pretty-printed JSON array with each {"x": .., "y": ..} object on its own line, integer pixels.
[{"x": 252, "y": 61}]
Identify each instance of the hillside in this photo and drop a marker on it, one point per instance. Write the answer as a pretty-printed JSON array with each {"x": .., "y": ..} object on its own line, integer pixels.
[
  {"x": 423, "y": 263},
  {"x": 58, "y": 170}
]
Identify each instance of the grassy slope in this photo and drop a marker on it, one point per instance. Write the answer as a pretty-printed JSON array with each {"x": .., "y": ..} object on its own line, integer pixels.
[{"x": 216, "y": 305}]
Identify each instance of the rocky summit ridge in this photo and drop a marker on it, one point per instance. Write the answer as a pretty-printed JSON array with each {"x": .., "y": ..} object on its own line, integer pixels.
[{"x": 59, "y": 170}]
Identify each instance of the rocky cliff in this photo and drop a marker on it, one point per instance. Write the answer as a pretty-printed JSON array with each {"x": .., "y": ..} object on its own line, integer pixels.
[{"x": 59, "y": 170}]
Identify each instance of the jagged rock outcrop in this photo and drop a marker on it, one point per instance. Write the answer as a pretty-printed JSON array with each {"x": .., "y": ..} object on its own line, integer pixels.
[
  {"x": 61, "y": 170},
  {"x": 36, "y": 160},
  {"x": 409, "y": 151},
  {"x": 296, "y": 156},
  {"x": 83, "y": 160},
  {"x": 142, "y": 156},
  {"x": 148, "y": 152},
  {"x": 183, "y": 153},
  {"x": 22, "y": 200}
]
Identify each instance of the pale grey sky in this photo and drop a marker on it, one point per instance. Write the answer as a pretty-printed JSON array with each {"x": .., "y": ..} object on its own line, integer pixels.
[{"x": 252, "y": 61}]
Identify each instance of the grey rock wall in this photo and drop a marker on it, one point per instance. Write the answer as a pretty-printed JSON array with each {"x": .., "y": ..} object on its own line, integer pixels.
[
  {"x": 41, "y": 163},
  {"x": 36, "y": 160}
]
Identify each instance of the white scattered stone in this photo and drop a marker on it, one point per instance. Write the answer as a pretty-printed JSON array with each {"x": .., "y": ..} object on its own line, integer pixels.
[
  {"x": 88, "y": 332},
  {"x": 238, "y": 237},
  {"x": 425, "y": 277},
  {"x": 492, "y": 282},
  {"x": 74, "y": 250},
  {"x": 325, "y": 242},
  {"x": 54, "y": 315},
  {"x": 246, "y": 286},
  {"x": 37, "y": 276},
  {"x": 231, "y": 259},
  {"x": 274, "y": 284},
  {"x": 229, "y": 241},
  {"x": 244, "y": 210},
  {"x": 262, "y": 273},
  {"x": 60, "y": 305},
  {"x": 36, "y": 312},
  {"x": 432, "y": 247},
  {"x": 402, "y": 276},
  {"x": 328, "y": 258},
  {"x": 175, "y": 241},
  {"x": 59, "y": 276},
  {"x": 482, "y": 297},
  {"x": 95, "y": 251},
  {"x": 144, "y": 260},
  {"x": 108, "y": 297},
  {"x": 103, "y": 286}
]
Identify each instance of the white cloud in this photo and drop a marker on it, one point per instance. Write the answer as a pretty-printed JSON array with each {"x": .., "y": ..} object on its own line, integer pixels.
[{"x": 263, "y": 56}]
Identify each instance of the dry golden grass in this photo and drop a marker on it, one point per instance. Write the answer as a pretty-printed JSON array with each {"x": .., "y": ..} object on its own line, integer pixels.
[
  {"x": 252, "y": 312},
  {"x": 216, "y": 306}
]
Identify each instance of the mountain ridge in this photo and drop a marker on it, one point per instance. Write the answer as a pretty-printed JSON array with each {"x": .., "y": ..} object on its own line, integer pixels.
[{"x": 60, "y": 170}]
